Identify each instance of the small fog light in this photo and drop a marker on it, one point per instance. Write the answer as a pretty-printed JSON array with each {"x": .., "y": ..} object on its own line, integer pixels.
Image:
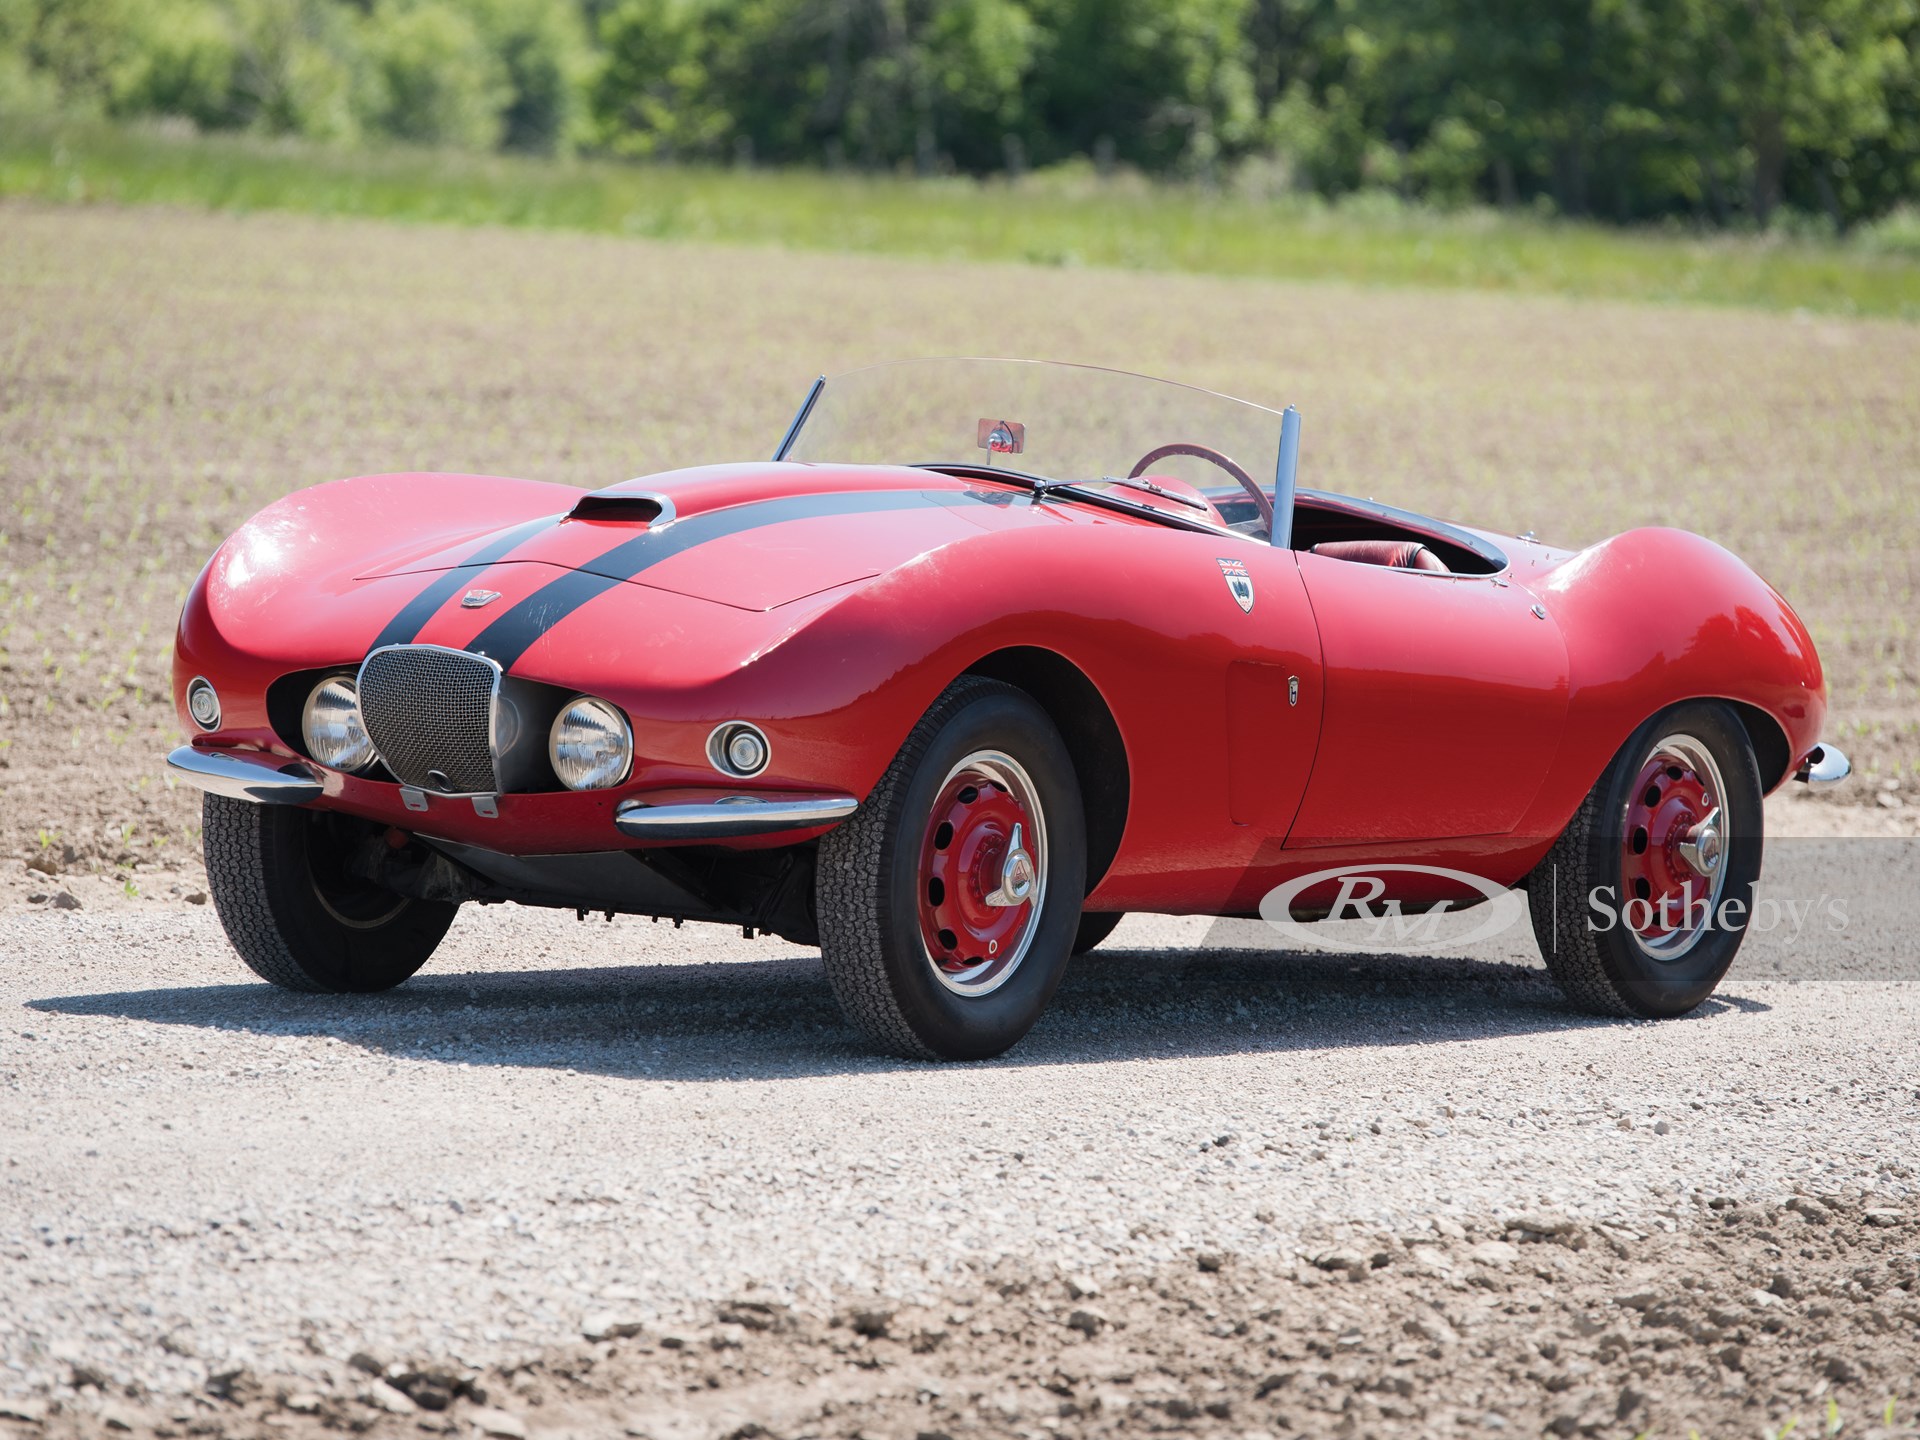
[
  {"x": 738, "y": 749},
  {"x": 203, "y": 704}
]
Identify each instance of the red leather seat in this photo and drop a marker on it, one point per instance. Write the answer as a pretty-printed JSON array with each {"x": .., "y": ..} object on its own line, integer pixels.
[{"x": 1394, "y": 554}]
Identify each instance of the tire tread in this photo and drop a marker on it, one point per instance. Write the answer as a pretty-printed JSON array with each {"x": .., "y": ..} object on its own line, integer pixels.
[
  {"x": 852, "y": 869},
  {"x": 1554, "y": 898},
  {"x": 240, "y": 876}
]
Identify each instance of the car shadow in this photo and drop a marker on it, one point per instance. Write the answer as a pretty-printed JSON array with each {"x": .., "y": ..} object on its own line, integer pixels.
[{"x": 777, "y": 1018}]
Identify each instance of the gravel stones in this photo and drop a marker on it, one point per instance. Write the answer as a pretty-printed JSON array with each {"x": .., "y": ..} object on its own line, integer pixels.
[{"x": 551, "y": 1131}]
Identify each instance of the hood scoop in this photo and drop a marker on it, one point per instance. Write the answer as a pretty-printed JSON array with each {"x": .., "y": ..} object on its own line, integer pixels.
[{"x": 636, "y": 507}]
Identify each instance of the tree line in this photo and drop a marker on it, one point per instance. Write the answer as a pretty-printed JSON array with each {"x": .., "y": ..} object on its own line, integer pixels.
[{"x": 1723, "y": 112}]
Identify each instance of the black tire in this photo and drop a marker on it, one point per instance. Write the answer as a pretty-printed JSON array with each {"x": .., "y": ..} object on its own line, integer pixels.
[
  {"x": 1575, "y": 894},
  {"x": 868, "y": 884},
  {"x": 296, "y": 917},
  {"x": 1093, "y": 929}
]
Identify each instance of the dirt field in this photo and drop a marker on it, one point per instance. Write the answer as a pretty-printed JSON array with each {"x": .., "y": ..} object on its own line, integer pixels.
[
  {"x": 1563, "y": 1330},
  {"x": 162, "y": 375}
]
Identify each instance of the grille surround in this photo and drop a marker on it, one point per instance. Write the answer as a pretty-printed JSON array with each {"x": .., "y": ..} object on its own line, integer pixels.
[{"x": 431, "y": 710}]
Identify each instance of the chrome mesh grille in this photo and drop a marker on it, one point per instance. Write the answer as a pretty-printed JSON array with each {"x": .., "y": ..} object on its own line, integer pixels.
[{"x": 430, "y": 710}]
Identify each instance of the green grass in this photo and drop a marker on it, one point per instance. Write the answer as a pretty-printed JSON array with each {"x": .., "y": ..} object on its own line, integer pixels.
[{"x": 1063, "y": 219}]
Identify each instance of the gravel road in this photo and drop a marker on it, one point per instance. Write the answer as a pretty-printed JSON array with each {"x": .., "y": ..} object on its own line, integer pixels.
[{"x": 559, "y": 1126}]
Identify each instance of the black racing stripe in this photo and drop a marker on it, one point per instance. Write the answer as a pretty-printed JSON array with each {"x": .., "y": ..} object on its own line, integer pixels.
[
  {"x": 422, "y": 608},
  {"x": 510, "y": 636}
]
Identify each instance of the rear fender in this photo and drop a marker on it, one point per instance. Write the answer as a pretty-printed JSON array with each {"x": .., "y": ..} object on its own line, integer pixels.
[{"x": 1657, "y": 616}]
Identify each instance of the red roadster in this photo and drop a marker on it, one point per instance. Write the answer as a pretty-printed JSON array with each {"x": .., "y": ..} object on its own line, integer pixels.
[{"x": 988, "y": 654}]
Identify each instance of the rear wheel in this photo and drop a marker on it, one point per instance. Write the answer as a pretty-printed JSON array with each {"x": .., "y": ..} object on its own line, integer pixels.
[
  {"x": 1642, "y": 903},
  {"x": 279, "y": 879},
  {"x": 948, "y": 902}
]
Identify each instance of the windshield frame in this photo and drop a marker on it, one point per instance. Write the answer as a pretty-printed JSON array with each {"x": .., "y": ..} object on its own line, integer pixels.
[
  {"x": 1042, "y": 488},
  {"x": 1285, "y": 471}
]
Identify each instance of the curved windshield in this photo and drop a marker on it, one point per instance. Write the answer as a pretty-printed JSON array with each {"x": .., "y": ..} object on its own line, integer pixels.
[{"x": 1037, "y": 419}]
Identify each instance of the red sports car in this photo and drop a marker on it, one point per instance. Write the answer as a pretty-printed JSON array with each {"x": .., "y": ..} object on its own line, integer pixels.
[{"x": 989, "y": 653}]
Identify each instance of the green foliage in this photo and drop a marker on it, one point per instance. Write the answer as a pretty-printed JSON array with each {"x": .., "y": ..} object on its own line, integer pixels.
[
  {"x": 548, "y": 62},
  {"x": 1759, "y": 114},
  {"x": 1163, "y": 86},
  {"x": 186, "y": 65},
  {"x": 654, "y": 96},
  {"x": 431, "y": 77},
  {"x": 1062, "y": 215}
]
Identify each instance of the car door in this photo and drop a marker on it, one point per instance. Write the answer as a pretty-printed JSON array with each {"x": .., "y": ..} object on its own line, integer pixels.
[
  {"x": 1445, "y": 700},
  {"x": 1274, "y": 690}
]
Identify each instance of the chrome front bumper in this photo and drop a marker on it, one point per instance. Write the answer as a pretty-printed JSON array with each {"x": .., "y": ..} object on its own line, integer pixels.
[
  {"x": 276, "y": 780},
  {"x": 247, "y": 775},
  {"x": 1824, "y": 765},
  {"x": 731, "y": 816}
]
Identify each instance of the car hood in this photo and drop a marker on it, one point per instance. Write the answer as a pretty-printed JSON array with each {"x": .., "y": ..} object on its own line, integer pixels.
[{"x": 753, "y": 537}]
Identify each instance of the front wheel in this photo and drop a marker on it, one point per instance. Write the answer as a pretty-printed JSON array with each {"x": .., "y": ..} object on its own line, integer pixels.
[
  {"x": 281, "y": 885},
  {"x": 1095, "y": 928},
  {"x": 1642, "y": 903},
  {"x": 949, "y": 901}
]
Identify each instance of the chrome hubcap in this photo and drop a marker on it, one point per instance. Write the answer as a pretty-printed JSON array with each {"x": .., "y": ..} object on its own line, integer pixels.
[
  {"x": 1673, "y": 848},
  {"x": 1016, "y": 875},
  {"x": 1701, "y": 848}
]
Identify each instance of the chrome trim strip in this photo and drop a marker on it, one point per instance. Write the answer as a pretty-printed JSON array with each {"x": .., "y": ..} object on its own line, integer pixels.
[
  {"x": 247, "y": 775},
  {"x": 800, "y": 417},
  {"x": 729, "y": 816},
  {"x": 1824, "y": 765}
]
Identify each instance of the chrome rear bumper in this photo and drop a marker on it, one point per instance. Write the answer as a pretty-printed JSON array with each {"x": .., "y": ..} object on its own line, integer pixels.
[
  {"x": 247, "y": 775},
  {"x": 1824, "y": 765},
  {"x": 731, "y": 816}
]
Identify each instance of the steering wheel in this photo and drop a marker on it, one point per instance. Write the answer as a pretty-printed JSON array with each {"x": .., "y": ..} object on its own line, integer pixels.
[{"x": 1213, "y": 457}]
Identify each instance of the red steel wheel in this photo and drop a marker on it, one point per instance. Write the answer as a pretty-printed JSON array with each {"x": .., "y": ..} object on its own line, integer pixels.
[
  {"x": 983, "y": 872},
  {"x": 1672, "y": 845},
  {"x": 949, "y": 900},
  {"x": 1642, "y": 902}
]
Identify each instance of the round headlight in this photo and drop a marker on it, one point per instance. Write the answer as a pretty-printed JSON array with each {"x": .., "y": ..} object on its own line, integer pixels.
[
  {"x": 203, "y": 704},
  {"x": 737, "y": 748},
  {"x": 332, "y": 727},
  {"x": 590, "y": 744}
]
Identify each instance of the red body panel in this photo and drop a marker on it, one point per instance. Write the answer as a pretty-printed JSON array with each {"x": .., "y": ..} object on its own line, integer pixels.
[
  {"x": 1445, "y": 700},
  {"x": 830, "y": 605}
]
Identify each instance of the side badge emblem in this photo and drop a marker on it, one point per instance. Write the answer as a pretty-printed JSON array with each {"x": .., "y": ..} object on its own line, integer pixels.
[
  {"x": 474, "y": 599},
  {"x": 1239, "y": 583}
]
